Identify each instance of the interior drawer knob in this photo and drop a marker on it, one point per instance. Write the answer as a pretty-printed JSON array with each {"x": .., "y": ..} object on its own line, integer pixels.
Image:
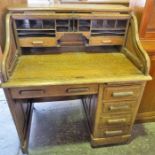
[
  {"x": 37, "y": 42},
  {"x": 106, "y": 41}
]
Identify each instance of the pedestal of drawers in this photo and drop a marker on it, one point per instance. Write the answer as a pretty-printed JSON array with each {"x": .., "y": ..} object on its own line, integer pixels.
[{"x": 115, "y": 113}]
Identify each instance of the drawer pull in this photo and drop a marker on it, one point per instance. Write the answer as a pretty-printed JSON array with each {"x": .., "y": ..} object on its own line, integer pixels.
[
  {"x": 77, "y": 90},
  {"x": 113, "y": 133},
  {"x": 116, "y": 108},
  {"x": 106, "y": 41},
  {"x": 27, "y": 92},
  {"x": 123, "y": 94},
  {"x": 116, "y": 121},
  {"x": 39, "y": 42}
]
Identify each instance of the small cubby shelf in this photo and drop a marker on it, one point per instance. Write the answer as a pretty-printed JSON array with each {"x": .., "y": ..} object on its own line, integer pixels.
[
  {"x": 97, "y": 26},
  {"x": 35, "y": 24},
  {"x": 36, "y": 33},
  {"x": 35, "y": 28},
  {"x": 49, "y": 28},
  {"x": 108, "y": 27}
]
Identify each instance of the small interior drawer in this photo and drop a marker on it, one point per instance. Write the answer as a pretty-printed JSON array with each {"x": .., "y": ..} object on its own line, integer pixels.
[
  {"x": 119, "y": 107},
  {"x": 103, "y": 40},
  {"x": 118, "y": 93},
  {"x": 37, "y": 42},
  {"x": 52, "y": 91}
]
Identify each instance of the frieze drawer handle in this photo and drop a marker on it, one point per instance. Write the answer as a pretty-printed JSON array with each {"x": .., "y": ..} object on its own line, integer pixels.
[
  {"x": 77, "y": 90},
  {"x": 122, "y": 94},
  {"x": 27, "y": 92},
  {"x": 116, "y": 121},
  {"x": 113, "y": 133},
  {"x": 115, "y": 108}
]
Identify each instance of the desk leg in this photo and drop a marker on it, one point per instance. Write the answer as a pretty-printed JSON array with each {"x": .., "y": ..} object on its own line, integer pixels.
[
  {"x": 27, "y": 127},
  {"x": 0, "y": 61},
  {"x": 21, "y": 111},
  {"x": 93, "y": 107}
]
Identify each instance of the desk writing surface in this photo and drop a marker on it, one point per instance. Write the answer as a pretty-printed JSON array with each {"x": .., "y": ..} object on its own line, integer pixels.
[{"x": 73, "y": 68}]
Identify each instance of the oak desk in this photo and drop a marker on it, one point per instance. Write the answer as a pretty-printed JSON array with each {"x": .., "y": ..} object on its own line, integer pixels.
[{"x": 87, "y": 51}]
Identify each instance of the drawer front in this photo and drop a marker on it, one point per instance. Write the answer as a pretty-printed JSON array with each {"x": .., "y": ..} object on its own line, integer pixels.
[
  {"x": 108, "y": 131},
  {"x": 111, "y": 126},
  {"x": 37, "y": 42},
  {"x": 116, "y": 121},
  {"x": 106, "y": 41},
  {"x": 118, "y": 93},
  {"x": 53, "y": 91},
  {"x": 119, "y": 107}
]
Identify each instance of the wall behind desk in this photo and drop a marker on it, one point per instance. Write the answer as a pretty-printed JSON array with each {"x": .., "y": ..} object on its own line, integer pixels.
[
  {"x": 3, "y": 5},
  {"x": 138, "y": 7}
]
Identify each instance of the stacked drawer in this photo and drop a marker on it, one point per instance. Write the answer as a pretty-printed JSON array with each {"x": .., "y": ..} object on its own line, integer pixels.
[{"x": 119, "y": 108}]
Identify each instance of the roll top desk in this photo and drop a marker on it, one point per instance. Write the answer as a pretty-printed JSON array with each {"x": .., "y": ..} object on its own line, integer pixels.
[{"x": 91, "y": 52}]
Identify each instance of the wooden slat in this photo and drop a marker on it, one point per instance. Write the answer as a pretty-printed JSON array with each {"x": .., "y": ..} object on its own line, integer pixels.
[
  {"x": 50, "y": 15},
  {"x": 95, "y": 1}
]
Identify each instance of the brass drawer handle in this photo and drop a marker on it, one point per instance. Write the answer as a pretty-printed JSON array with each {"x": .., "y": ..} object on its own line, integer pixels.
[
  {"x": 122, "y": 94},
  {"x": 113, "y": 133},
  {"x": 116, "y": 121},
  {"x": 77, "y": 90},
  {"x": 115, "y": 108},
  {"x": 26, "y": 92},
  {"x": 37, "y": 42}
]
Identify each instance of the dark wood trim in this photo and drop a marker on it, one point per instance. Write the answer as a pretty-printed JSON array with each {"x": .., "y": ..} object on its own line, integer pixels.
[
  {"x": 145, "y": 117},
  {"x": 145, "y": 19}
]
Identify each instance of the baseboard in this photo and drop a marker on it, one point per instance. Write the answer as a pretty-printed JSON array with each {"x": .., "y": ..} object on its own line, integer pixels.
[{"x": 145, "y": 117}]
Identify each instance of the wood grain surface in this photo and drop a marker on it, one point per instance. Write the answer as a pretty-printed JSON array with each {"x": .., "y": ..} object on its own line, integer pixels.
[{"x": 73, "y": 68}]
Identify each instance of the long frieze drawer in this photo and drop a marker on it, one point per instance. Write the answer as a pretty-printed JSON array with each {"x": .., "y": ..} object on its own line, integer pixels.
[
  {"x": 119, "y": 107},
  {"x": 51, "y": 91},
  {"x": 37, "y": 42},
  {"x": 106, "y": 41},
  {"x": 118, "y": 93}
]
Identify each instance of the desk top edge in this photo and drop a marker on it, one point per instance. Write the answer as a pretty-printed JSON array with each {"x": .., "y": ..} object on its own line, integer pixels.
[{"x": 70, "y": 7}]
